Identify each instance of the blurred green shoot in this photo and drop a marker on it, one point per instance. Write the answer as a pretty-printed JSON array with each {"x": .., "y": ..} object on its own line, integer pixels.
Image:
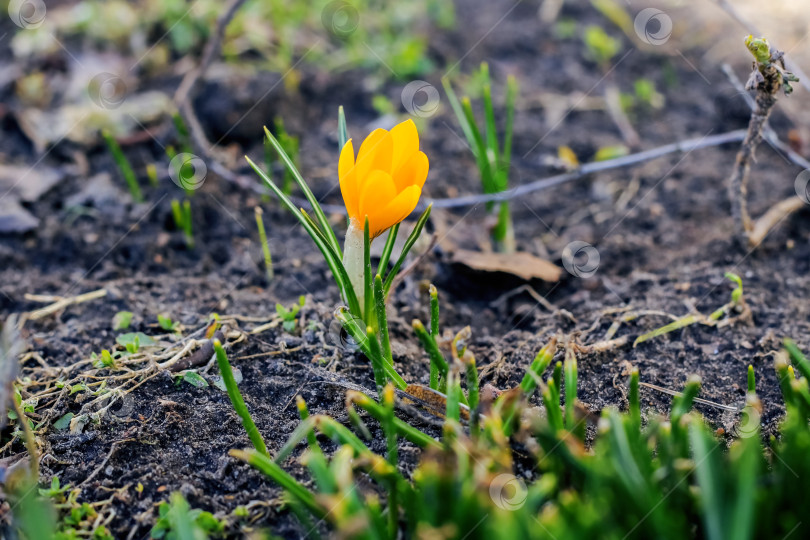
[
  {"x": 601, "y": 47},
  {"x": 737, "y": 303},
  {"x": 290, "y": 145},
  {"x": 181, "y": 213},
  {"x": 236, "y": 399},
  {"x": 268, "y": 258},
  {"x": 493, "y": 157},
  {"x": 124, "y": 167}
]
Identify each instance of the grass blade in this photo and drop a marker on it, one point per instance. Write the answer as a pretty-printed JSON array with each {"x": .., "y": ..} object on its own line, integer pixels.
[
  {"x": 387, "y": 249},
  {"x": 411, "y": 240},
  {"x": 382, "y": 319},
  {"x": 236, "y": 399},
  {"x": 343, "y": 131},
  {"x": 432, "y": 348},
  {"x": 316, "y": 207},
  {"x": 368, "y": 297},
  {"x": 459, "y": 111},
  {"x": 281, "y": 477},
  {"x": 124, "y": 166},
  {"x": 334, "y": 261}
]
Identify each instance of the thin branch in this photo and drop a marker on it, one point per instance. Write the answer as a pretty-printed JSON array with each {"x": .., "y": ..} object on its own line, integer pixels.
[
  {"x": 210, "y": 51},
  {"x": 769, "y": 134}
]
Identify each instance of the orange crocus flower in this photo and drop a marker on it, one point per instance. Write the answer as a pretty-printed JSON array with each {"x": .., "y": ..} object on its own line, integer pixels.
[{"x": 385, "y": 182}]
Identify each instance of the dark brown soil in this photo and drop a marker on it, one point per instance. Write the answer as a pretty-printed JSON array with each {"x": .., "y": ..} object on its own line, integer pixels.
[{"x": 667, "y": 248}]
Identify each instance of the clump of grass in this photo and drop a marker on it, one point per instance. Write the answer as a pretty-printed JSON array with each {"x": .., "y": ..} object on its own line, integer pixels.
[
  {"x": 646, "y": 476},
  {"x": 492, "y": 156}
]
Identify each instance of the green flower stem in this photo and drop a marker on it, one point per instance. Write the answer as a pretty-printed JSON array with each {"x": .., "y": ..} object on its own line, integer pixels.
[{"x": 237, "y": 401}]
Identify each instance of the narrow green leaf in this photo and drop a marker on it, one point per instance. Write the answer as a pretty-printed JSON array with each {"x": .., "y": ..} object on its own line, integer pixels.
[
  {"x": 707, "y": 472},
  {"x": 459, "y": 111},
  {"x": 343, "y": 131},
  {"x": 570, "y": 367},
  {"x": 382, "y": 319},
  {"x": 368, "y": 295},
  {"x": 267, "y": 466},
  {"x": 409, "y": 242},
  {"x": 481, "y": 151},
  {"x": 432, "y": 348},
  {"x": 329, "y": 253},
  {"x": 236, "y": 399},
  {"x": 387, "y": 249},
  {"x": 316, "y": 207}
]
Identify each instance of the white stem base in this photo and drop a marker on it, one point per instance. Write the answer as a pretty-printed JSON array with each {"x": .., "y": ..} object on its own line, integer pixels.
[{"x": 353, "y": 259}]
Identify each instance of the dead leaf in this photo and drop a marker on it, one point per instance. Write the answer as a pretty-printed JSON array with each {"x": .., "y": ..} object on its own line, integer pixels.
[{"x": 523, "y": 265}]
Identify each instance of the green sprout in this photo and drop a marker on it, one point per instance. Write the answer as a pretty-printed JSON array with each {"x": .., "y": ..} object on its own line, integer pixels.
[
  {"x": 183, "y": 221},
  {"x": 601, "y": 46},
  {"x": 289, "y": 146},
  {"x": 268, "y": 258},
  {"x": 124, "y": 166},
  {"x": 166, "y": 323},
  {"x": 178, "y": 521},
  {"x": 288, "y": 315},
  {"x": 492, "y": 156}
]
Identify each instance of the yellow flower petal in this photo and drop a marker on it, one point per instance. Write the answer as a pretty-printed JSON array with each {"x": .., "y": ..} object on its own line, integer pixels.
[
  {"x": 377, "y": 191},
  {"x": 413, "y": 172},
  {"x": 375, "y": 154},
  {"x": 406, "y": 143},
  {"x": 395, "y": 211},
  {"x": 348, "y": 179}
]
